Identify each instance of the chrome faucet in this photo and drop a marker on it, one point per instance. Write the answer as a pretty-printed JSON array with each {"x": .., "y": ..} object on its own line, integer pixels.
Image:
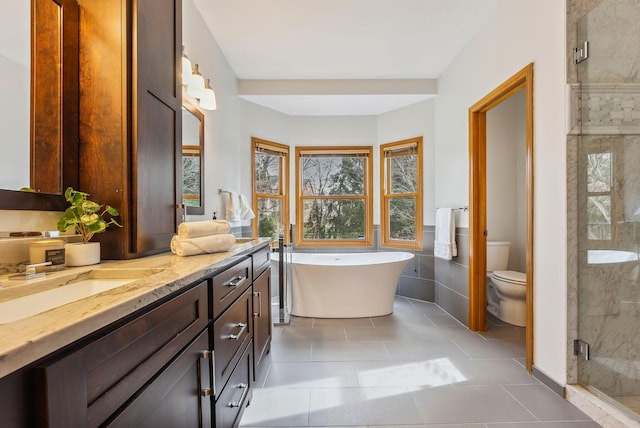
[{"x": 30, "y": 271}]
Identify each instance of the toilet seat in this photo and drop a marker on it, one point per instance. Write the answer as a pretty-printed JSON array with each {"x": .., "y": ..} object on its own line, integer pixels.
[{"x": 512, "y": 277}]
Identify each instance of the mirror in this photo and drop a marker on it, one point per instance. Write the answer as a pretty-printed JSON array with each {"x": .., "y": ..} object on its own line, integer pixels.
[
  {"x": 39, "y": 62},
  {"x": 192, "y": 156},
  {"x": 15, "y": 68}
]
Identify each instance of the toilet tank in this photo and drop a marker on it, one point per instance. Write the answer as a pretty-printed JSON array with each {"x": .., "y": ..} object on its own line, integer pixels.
[{"x": 497, "y": 255}]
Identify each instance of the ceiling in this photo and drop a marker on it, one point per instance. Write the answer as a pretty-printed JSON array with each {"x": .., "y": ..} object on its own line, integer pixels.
[{"x": 342, "y": 39}]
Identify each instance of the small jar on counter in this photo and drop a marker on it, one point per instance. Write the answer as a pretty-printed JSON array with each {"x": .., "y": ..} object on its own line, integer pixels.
[{"x": 47, "y": 250}]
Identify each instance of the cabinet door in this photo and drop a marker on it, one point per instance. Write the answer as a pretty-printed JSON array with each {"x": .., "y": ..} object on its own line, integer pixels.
[
  {"x": 84, "y": 388},
  {"x": 261, "y": 319},
  {"x": 178, "y": 397},
  {"x": 157, "y": 143}
]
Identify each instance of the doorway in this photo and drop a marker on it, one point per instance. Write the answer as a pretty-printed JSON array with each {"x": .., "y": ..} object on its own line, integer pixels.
[{"x": 523, "y": 80}]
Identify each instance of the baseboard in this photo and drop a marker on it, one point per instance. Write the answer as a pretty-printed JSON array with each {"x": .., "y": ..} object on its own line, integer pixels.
[{"x": 550, "y": 383}]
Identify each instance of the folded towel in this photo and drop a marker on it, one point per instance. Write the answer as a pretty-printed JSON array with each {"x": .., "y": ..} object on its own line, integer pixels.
[
  {"x": 246, "y": 213},
  {"x": 194, "y": 229},
  {"x": 444, "y": 246},
  {"x": 202, "y": 245}
]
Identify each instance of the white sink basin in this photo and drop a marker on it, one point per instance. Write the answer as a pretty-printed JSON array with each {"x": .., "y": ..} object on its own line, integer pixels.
[{"x": 69, "y": 290}]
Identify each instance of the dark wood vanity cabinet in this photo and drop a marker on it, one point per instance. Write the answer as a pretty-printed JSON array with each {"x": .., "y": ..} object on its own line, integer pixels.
[
  {"x": 130, "y": 119},
  {"x": 232, "y": 340},
  {"x": 262, "y": 319},
  {"x": 188, "y": 360},
  {"x": 241, "y": 333}
]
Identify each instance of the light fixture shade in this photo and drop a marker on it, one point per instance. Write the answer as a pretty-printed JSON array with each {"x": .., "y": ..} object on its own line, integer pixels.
[
  {"x": 208, "y": 102},
  {"x": 195, "y": 87},
  {"x": 187, "y": 69}
]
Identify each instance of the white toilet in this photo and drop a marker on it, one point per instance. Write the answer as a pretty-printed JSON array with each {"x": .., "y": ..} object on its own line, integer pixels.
[{"x": 506, "y": 289}]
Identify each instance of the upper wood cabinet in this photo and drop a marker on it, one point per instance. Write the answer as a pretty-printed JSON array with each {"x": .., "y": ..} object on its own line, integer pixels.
[{"x": 130, "y": 119}]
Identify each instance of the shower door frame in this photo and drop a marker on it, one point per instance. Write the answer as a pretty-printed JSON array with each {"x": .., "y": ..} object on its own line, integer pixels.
[{"x": 478, "y": 202}]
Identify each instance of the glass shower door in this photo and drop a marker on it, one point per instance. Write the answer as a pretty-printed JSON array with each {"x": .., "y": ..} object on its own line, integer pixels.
[{"x": 606, "y": 102}]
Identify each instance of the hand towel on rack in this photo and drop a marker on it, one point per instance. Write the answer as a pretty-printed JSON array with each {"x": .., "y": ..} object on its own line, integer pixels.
[
  {"x": 232, "y": 212},
  {"x": 194, "y": 229},
  {"x": 444, "y": 246},
  {"x": 202, "y": 244},
  {"x": 246, "y": 213}
]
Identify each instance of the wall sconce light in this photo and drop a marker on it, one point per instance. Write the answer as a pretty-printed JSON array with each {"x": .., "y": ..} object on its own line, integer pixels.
[
  {"x": 208, "y": 102},
  {"x": 195, "y": 85},
  {"x": 187, "y": 69}
]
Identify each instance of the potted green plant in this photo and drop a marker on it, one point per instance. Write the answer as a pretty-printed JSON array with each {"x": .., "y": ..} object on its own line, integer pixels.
[{"x": 87, "y": 218}]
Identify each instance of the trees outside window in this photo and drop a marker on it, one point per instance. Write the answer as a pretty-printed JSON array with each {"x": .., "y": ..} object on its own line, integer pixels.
[
  {"x": 334, "y": 196},
  {"x": 270, "y": 187},
  {"x": 401, "y": 194},
  {"x": 599, "y": 168}
]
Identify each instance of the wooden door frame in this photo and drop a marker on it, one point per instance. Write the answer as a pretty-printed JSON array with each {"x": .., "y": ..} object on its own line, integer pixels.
[{"x": 478, "y": 202}]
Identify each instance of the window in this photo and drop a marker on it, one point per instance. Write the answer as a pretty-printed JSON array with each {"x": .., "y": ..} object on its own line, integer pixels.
[
  {"x": 599, "y": 187},
  {"x": 270, "y": 187},
  {"x": 401, "y": 194},
  {"x": 334, "y": 196}
]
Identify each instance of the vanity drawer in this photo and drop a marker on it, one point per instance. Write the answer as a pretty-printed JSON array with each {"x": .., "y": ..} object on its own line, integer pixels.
[
  {"x": 237, "y": 394},
  {"x": 260, "y": 260},
  {"x": 230, "y": 284},
  {"x": 231, "y": 333},
  {"x": 86, "y": 387}
]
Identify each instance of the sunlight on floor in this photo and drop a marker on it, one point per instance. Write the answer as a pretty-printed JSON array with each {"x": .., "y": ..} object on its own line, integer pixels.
[{"x": 437, "y": 372}]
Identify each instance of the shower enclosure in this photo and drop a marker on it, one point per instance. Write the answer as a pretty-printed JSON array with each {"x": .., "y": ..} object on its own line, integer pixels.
[{"x": 606, "y": 119}]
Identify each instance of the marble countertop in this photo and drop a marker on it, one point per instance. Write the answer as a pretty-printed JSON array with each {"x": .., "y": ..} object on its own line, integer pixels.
[{"x": 25, "y": 341}]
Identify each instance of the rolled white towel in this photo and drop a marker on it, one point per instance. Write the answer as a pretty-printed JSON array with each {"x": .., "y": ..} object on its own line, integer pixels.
[
  {"x": 194, "y": 229},
  {"x": 202, "y": 244}
]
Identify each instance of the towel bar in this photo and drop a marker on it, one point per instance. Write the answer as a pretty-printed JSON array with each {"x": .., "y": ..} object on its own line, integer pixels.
[{"x": 459, "y": 209}]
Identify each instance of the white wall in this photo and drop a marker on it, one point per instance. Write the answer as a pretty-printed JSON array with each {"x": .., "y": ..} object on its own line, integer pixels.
[
  {"x": 506, "y": 191},
  {"x": 417, "y": 120},
  {"x": 518, "y": 34},
  {"x": 223, "y": 142}
]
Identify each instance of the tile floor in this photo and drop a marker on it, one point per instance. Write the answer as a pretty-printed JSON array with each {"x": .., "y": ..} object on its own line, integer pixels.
[{"x": 416, "y": 368}]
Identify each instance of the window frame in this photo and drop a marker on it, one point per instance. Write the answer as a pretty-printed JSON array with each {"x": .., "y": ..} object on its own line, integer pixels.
[
  {"x": 367, "y": 196},
  {"x": 386, "y": 197},
  {"x": 283, "y": 195}
]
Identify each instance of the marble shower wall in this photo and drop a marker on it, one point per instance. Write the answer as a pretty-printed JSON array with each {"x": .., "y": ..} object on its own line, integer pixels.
[
  {"x": 609, "y": 293},
  {"x": 604, "y": 299}
]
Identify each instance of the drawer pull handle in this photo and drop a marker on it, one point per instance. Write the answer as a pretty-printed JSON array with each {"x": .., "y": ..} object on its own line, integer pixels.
[
  {"x": 209, "y": 356},
  {"x": 259, "y": 313},
  {"x": 238, "y": 403},
  {"x": 242, "y": 326},
  {"x": 236, "y": 281}
]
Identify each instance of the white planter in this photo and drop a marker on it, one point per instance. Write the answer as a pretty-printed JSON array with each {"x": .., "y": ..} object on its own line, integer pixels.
[{"x": 80, "y": 254}]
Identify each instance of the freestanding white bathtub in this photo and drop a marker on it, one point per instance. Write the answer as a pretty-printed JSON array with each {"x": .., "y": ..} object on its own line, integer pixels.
[{"x": 353, "y": 285}]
